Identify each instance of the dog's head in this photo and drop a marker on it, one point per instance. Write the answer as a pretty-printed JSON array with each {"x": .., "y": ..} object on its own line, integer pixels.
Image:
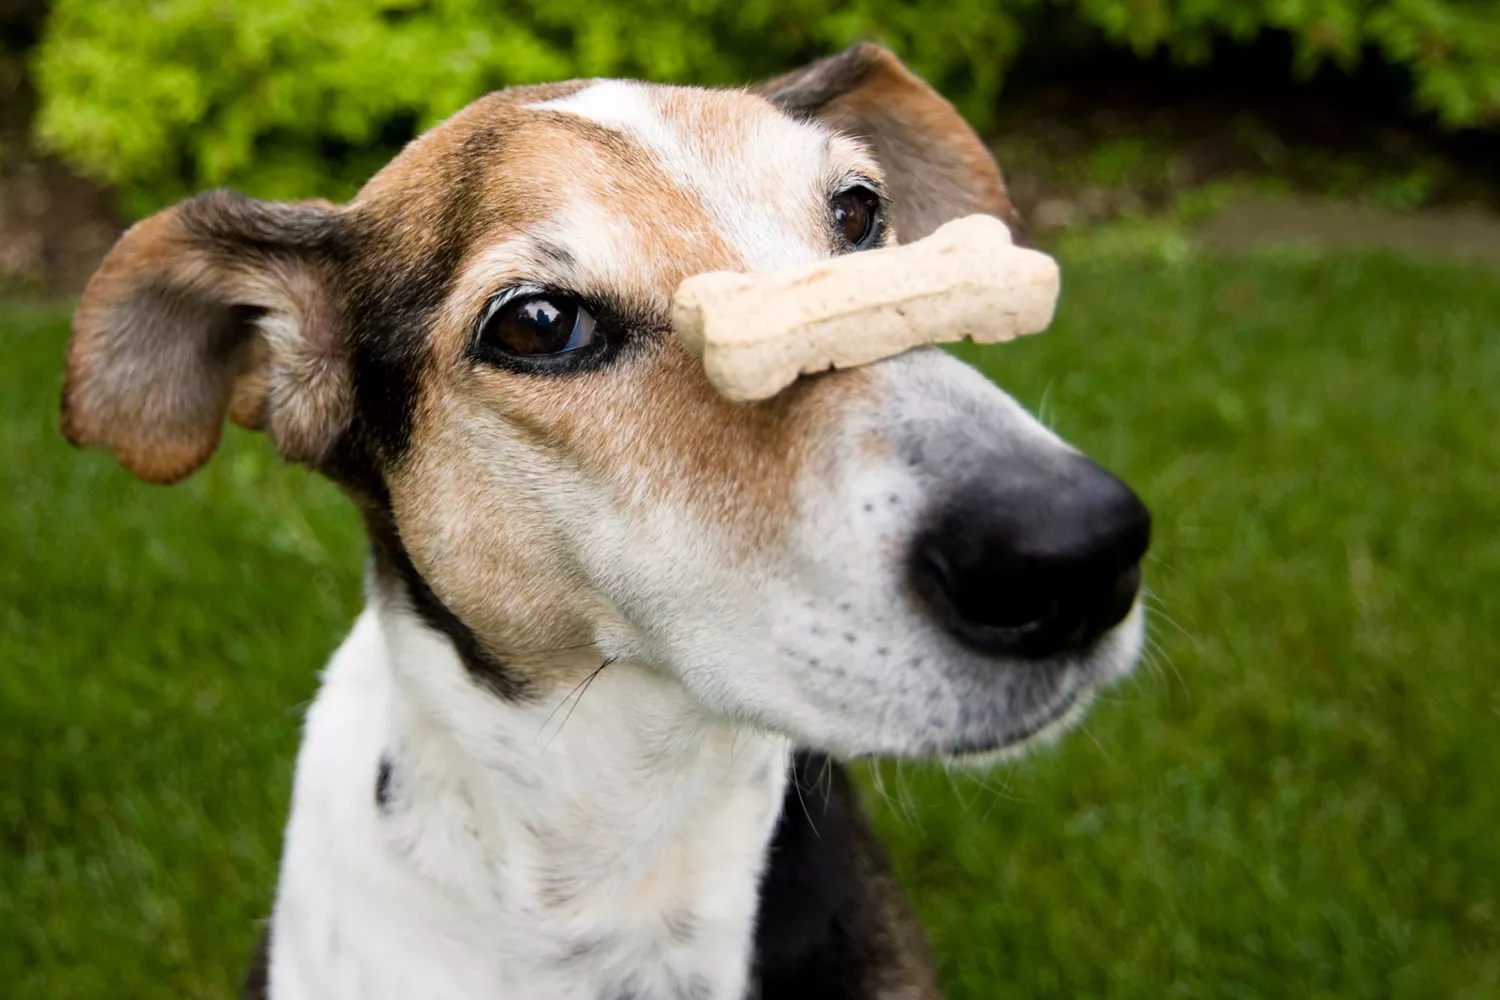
[{"x": 893, "y": 559}]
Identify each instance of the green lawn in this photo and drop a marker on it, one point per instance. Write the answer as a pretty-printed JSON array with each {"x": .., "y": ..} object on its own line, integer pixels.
[{"x": 1298, "y": 797}]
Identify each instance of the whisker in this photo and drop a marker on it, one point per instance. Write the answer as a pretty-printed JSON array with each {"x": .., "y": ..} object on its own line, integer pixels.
[
  {"x": 797, "y": 786},
  {"x": 825, "y": 777},
  {"x": 581, "y": 688},
  {"x": 1002, "y": 792},
  {"x": 905, "y": 801},
  {"x": 1158, "y": 608},
  {"x": 558, "y": 707},
  {"x": 1089, "y": 732},
  {"x": 1162, "y": 660},
  {"x": 953, "y": 786},
  {"x": 877, "y": 782}
]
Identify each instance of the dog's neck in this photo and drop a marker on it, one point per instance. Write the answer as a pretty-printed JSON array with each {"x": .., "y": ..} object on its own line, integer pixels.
[
  {"x": 588, "y": 844},
  {"x": 614, "y": 781}
]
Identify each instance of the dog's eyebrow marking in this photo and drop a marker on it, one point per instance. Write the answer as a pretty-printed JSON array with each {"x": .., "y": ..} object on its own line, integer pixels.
[{"x": 737, "y": 162}]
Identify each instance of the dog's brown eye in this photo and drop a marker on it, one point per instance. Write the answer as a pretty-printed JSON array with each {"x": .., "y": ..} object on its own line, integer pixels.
[
  {"x": 536, "y": 324},
  {"x": 856, "y": 213}
]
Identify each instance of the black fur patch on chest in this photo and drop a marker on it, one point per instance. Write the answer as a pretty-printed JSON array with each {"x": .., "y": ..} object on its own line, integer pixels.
[
  {"x": 832, "y": 923},
  {"x": 256, "y": 985}
]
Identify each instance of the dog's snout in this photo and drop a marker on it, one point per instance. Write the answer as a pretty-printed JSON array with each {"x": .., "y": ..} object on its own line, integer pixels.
[{"x": 1034, "y": 561}]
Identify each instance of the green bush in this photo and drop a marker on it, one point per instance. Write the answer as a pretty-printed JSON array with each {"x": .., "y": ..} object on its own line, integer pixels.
[{"x": 295, "y": 97}]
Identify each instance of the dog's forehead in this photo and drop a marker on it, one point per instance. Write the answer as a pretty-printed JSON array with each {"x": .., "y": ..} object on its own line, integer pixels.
[
  {"x": 613, "y": 189},
  {"x": 758, "y": 177},
  {"x": 711, "y": 165}
]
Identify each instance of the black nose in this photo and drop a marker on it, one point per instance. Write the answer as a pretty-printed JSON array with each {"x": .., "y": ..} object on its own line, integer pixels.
[{"x": 1036, "y": 560}]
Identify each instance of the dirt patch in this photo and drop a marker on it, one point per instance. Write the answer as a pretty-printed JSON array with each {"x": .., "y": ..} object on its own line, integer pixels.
[
  {"x": 1089, "y": 141},
  {"x": 1468, "y": 234},
  {"x": 55, "y": 226}
]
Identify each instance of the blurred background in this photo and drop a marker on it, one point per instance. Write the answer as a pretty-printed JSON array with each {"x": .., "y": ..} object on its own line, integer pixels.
[{"x": 1278, "y": 226}]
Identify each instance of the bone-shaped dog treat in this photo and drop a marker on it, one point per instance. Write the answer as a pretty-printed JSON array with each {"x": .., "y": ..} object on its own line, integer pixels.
[{"x": 757, "y": 331}]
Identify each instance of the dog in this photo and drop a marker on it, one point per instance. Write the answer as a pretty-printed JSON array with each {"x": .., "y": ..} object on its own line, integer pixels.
[{"x": 580, "y": 743}]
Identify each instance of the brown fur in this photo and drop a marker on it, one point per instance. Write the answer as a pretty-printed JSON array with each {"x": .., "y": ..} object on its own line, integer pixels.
[{"x": 189, "y": 317}]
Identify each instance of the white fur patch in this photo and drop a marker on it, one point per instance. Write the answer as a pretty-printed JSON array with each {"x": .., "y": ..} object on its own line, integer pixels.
[
  {"x": 550, "y": 851},
  {"x": 759, "y": 177}
]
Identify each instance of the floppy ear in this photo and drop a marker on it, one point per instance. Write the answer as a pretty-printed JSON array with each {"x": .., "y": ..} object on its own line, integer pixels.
[
  {"x": 219, "y": 305},
  {"x": 937, "y": 169}
]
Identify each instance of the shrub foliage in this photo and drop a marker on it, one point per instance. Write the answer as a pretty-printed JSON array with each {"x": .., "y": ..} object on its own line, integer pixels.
[{"x": 294, "y": 97}]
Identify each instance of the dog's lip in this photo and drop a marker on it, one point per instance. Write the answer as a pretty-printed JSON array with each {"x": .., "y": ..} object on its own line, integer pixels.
[{"x": 1070, "y": 700}]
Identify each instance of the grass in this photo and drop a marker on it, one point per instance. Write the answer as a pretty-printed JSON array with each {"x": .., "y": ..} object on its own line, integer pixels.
[{"x": 1298, "y": 797}]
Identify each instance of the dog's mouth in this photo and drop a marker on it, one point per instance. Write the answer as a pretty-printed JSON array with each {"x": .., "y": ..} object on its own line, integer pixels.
[
  {"x": 1058, "y": 696},
  {"x": 1057, "y": 714}
]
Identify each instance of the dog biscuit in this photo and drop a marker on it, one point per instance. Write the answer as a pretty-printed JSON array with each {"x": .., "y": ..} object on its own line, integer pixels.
[{"x": 758, "y": 331}]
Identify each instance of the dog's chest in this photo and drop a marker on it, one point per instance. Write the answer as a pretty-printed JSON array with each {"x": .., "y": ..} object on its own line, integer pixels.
[
  {"x": 426, "y": 912},
  {"x": 400, "y": 880},
  {"x": 422, "y": 947},
  {"x": 677, "y": 928}
]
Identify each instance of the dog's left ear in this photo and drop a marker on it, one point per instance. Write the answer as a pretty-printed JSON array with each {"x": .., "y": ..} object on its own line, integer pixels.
[
  {"x": 221, "y": 305},
  {"x": 937, "y": 169}
]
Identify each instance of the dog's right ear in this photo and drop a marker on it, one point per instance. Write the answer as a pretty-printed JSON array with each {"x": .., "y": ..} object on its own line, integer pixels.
[
  {"x": 937, "y": 169},
  {"x": 219, "y": 305}
]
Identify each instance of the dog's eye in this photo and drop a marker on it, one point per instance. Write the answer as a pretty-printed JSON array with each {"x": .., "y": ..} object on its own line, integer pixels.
[
  {"x": 856, "y": 214},
  {"x": 537, "y": 323}
]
